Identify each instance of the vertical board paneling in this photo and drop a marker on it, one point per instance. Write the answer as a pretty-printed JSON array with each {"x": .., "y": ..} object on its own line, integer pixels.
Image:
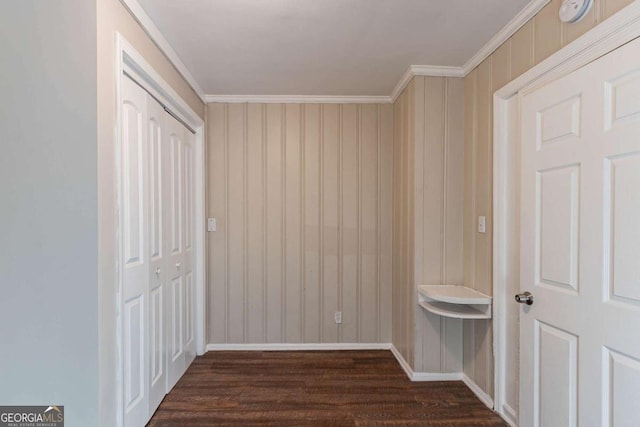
[
  {"x": 349, "y": 164},
  {"x": 369, "y": 244},
  {"x": 521, "y": 50},
  {"x": 484, "y": 156},
  {"x": 216, "y": 253},
  {"x": 610, "y": 7},
  {"x": 547, "y": 33},
  {"x": 292, "y": 224},
  {"x": 409, "y": 215},
  {"x": 275, "y": 232},
  {"x": 303, "y": 198},
  {"x": 385, "y": 221},
  {"x": 331, "y": 230},
  {"x": 312, "y": 231},
  {"x": 434, "y": 196},
  {"x": 454, "y": 182},
  {"x": 236, "y": 228},
  {"x": 255, "y": 224},
  {"x": 397, "y": 292}
]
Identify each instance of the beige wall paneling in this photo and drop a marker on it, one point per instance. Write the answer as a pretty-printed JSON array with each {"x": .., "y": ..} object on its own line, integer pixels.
[
  {"x": 236, "y": 210},
  {"x": 453, "y": 213},
  {"x": 570, "y": 32},
  {"x": 330, "y": 159},
  {"x": 275, "y": 245},
  {"x": 547, "y": 31},
  {"x": 293, "y": 282},
  {"x": 610, "y": 7},
  {"x": 522, "y": 50},
  {"x": 470, "y": 158},
  {"x": 350, "y": 257},
  {"x": 368, "y": 233},
  {"x": 385, "y": 221},
  {"x": 255, "y": 223},
  {"x": 484, "y": 156},
  {"x": 397, "y": 330},
  {"x": 409, "y": 164},
  {"x": 428, "y": 217},
  {"x": 403, "y": 307},
  {"x": 501, "y": 66},
  {"x": 311, "y": 223},
  {"x": 296, "y": 188},
  {"x": 481, "y": 329},
  {"x": 216, "y": 191},
  {"x": 429, "y": 119}
]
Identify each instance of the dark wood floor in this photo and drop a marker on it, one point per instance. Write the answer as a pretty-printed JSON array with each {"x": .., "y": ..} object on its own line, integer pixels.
[{"x": 319, "y": 388}]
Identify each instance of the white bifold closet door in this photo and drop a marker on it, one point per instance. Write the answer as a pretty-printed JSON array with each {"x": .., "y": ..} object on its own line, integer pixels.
[{"x": 156, "y": 217}]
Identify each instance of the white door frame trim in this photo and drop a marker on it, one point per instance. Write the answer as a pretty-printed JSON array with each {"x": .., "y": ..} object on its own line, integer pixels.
[
  {"x": 129, "y": 60},
  {"x": 616, "y": 31}
]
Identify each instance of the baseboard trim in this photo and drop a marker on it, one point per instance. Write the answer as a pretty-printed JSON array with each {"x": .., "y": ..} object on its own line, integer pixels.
[
  {"x": 481, "y": 394},
  {"x": 423, "y": 376},
  {"x": 403, "y": 363},
  {"x": 298, "y": 347},
  {"x": 509, "y": 415}
]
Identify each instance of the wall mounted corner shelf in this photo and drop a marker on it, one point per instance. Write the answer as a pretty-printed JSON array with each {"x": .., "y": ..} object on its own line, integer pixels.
[{"x": 454, "y": 301}]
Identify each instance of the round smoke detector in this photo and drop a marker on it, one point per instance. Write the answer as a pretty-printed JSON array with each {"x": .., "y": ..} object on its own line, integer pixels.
[{"x": 574, "y": 10}]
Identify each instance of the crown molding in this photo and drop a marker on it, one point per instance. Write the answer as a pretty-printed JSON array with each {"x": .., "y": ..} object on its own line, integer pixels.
[
  {"x": 297, "y": 99},
  {"x": 424, "y": 70},
  {"x": 529, "y": 11},
  {"x": 156, "y": 36}
]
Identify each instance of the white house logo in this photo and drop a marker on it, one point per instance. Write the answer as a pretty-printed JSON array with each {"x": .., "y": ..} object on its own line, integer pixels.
[{"x": 32, "y": 416}]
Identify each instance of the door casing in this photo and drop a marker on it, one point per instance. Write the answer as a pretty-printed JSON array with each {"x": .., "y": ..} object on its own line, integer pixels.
[{"x": 619, "y": 29}]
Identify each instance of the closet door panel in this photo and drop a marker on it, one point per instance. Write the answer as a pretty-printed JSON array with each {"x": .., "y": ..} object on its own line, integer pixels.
[
  {"x": 134, "y": 255},
  {"x": 157, "y": 272},
  {"x": 175, "y": 259},
  {"x": 188, "y": 256}
]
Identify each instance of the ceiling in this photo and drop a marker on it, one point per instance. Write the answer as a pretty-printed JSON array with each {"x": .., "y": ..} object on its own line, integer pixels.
[{"x": 322, "y": 47}]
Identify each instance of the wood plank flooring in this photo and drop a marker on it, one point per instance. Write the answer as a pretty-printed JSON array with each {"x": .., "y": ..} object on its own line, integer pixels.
[{"x": 314, "y": 388}]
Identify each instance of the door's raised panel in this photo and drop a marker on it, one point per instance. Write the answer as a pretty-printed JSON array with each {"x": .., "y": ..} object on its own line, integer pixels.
[
  {"x": 622, "y": 99},
  {"x": 622, "y": 178},
  {"x": 621, "y": 387},
  {"x": 558, "y": 122},
  {"x": 156, "y": 330},
  {"x": 188, "y": 196},
  {"x": 176, "y": 327},
  {"x": 176, "y": 193},
  {"x": 155, "y": 188},
  {"x": 188, "y": 308},
  {"x": 556, "y": 397},
  {"x": 134, "y": 358},
  {"x": 133, "y": 182},
  {"x": 558, "y": 203}
]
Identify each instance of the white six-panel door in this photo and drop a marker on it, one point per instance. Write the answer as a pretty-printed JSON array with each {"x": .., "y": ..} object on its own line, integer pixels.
[
  {"x": 180, "y": 211},
  {"x": 134, "y": 237},
  {"x": 157, "y": 179},
  {"x": 580, "y": 246},
  {"x": 157, "y": 245}
]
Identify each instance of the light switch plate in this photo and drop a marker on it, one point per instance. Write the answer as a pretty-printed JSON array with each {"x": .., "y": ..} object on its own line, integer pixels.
[
  {"x": 212, "y": 224},
  {"x": 482, "y": 224}
]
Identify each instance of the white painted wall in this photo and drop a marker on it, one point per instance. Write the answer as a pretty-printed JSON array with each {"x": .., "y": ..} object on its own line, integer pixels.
[{"x": 48, "y": 207}]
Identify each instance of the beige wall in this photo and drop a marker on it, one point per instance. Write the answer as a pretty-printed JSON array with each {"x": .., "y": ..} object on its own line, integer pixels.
[
  {"x": 428, "y": 196},
  {"x": 112, "y": 17},
  {"x": 302, "y": 195},
  {"x": 404, "y": 293},
  {"x": 540, "y": 37}
]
